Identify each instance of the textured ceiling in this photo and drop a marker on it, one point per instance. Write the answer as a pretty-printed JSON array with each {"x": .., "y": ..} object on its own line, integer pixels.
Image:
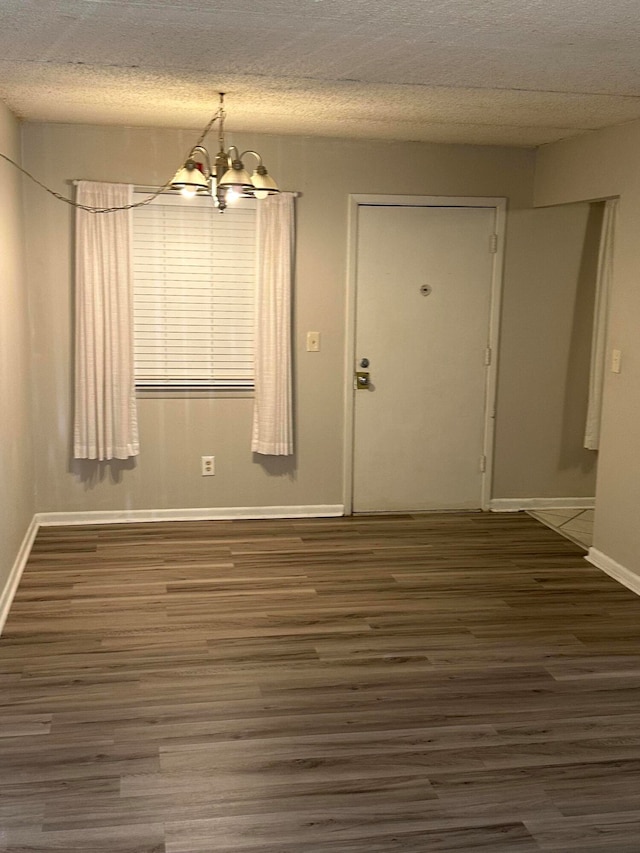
[{"x": 515, "y": 72}]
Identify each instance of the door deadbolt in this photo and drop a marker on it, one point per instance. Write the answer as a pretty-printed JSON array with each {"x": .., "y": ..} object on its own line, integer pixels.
[
  {"x": 364, "y": 362},
  {"x": 362, "y": 380}
]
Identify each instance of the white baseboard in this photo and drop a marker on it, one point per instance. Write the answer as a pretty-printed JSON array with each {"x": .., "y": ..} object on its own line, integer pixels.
[
  {"x": 45, "y": 519},
  {"x": 615, "y": 570},
  {"x": 7, "y": 594},
  {"x": 519, "y": 504},
  {"x": 131, "y": 516}
]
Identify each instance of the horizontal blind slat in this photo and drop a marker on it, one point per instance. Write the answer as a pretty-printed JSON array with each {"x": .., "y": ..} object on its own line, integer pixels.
[{"x": 194, "y": 287}]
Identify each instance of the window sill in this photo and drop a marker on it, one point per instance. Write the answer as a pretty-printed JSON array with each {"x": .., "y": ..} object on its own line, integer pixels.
[{"x": 146, "y": 392}]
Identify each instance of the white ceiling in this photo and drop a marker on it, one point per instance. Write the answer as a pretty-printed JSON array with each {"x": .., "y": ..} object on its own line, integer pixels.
[{"x": 514, "y": 72}]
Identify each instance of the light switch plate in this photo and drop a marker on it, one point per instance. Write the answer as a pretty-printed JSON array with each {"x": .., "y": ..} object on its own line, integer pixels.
[{"x": 616, "y": 359}]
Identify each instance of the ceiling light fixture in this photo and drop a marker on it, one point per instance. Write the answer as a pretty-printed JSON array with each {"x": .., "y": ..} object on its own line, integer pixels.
[
  {"x": 225, "y": 181},
  {"x": 227, "y": 177}
]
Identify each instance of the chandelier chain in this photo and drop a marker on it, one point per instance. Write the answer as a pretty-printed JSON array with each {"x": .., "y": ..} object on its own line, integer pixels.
[{"x": 90, "y": 209}]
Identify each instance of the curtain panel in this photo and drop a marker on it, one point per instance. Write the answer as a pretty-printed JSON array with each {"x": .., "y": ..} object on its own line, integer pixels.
[
  {"x": 105, "y": 423},
  {"x": 273, "y": 412},
  {"x": 600, "y": 322}
]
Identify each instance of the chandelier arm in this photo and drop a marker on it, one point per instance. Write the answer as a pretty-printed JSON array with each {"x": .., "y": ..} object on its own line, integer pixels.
[
  {"x": 255, "y": 154},
  {"x": 200, "y": 149}
]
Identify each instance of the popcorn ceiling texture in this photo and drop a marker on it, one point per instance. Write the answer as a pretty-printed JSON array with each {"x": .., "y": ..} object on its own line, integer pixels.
[{"x": 515, "y": 72}]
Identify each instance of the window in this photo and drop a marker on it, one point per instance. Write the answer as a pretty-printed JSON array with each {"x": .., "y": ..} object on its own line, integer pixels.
[{"x": 194, "y": 286}]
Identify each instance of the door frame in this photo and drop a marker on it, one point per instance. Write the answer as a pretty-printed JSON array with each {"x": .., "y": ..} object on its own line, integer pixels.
[{"x": 363, "y": 200}]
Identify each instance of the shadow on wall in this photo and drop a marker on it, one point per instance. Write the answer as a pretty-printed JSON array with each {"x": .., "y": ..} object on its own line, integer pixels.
[
  {"x": 574, "y": 415},
  {"x": 277, "y": 466},
  {"x": 90, "y": 471}
]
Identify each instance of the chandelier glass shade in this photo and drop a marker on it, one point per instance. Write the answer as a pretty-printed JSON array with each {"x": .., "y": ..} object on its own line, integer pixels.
[{"x": 227, "y": 177}]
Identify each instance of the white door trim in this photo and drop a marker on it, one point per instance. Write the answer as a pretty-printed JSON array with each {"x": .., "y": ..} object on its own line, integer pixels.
[{"x": 355, "y": 202}]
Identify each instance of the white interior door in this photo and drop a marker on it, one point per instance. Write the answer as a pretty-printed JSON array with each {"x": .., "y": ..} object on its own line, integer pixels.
[{"x": 423, "y": 302}]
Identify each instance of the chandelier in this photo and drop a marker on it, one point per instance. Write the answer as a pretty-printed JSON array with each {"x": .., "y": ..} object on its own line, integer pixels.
[{"x": 226, "y": 179}]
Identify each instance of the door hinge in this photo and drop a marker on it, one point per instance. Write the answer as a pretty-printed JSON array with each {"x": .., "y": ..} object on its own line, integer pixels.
[
  {"x": 493, "y": 243},
  {"x": 483, "y": 464},
  {"x": 487, "y": 356}
]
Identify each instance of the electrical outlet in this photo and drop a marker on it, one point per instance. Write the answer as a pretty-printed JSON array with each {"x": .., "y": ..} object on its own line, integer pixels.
[{"x": 208, "y": 466}]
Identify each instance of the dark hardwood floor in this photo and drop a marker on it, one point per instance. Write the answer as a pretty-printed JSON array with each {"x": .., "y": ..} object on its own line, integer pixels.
[{"x": 449, "y": 682}]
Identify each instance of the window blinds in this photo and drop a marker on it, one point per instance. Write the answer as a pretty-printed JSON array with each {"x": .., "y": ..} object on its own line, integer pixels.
[{"x": 194, "y": 290}]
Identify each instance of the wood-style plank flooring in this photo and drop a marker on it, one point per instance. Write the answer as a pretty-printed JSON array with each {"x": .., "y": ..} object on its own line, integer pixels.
[{"x": 448, "y": 682}]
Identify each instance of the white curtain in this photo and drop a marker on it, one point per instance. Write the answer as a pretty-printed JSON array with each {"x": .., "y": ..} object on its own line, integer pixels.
[
  {"x": 105, "y": 424},
  {"x": 600, "y": 318},
  {"x": 272, "y": 412}
]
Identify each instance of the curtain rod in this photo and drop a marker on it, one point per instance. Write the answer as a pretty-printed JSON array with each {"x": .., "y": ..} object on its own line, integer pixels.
[{"x": 139, "y": 188}]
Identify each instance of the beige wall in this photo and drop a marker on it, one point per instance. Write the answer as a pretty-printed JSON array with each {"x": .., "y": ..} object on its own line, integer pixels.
[
  {"x": 16, "y": 458},
  {"x": 547, "y": 318},
  {"x": 607, "y": 163},
  {"x": 176, "y": 432}
]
